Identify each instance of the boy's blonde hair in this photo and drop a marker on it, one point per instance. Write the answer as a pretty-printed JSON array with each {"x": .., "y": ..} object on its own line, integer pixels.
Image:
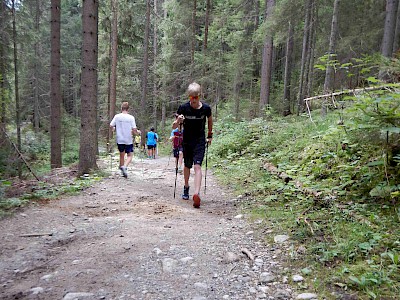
[
  {"x": 125, "y": 105},
  {"x": 194, "y": 89}
]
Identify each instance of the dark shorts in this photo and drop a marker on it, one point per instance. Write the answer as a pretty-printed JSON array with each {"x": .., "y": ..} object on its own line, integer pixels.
[
  {"x": 193, "y": 153},
  {"x": 151, "y": 147},
  {"x": 176, "y": 151},
  {"x": 125, "y": 148}
]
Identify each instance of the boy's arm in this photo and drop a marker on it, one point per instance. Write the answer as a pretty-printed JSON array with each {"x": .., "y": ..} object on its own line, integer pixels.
[
  {"x": 210, "y": 128},
  {"x": 179, "y": 120},
  {"x": 136, "y": 131}
]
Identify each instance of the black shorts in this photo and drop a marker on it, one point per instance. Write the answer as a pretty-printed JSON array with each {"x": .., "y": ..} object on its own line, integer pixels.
[
  {"x": 193, "y": 152},
  {"x": 176, "y": 151},
  {"x": 125, "y": 148},
  {"x": 151, "y": 147}
]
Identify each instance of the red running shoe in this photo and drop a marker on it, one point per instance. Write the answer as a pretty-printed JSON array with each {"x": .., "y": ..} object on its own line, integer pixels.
[{"x": 196, "y": 201}]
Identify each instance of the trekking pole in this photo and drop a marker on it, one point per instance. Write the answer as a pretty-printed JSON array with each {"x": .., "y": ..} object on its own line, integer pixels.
[
  {"x": 111, "y": 161},
  {"x": 205, "y": 175},
  {"x": 169, "y": 158},
  {"x": 109, "y": 152},
  {"x": 176, "y": 175},
  {"x": 140, "y": 153},
  {"x": 176, "y": 165}
]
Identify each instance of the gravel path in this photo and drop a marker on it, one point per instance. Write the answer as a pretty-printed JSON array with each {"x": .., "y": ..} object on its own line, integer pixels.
[{"x": 130, "y": 239}]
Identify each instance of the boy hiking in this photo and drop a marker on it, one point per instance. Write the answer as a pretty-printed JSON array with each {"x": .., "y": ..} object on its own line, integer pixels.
[
  {"x": 177, "y": 146},
  {"x": 151, "y": 137},
  {"x": 192, "y": 115},
  {"x": 124, "y": 124}
]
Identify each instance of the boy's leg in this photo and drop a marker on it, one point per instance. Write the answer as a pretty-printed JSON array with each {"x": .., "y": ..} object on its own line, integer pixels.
[
  {"x": 197, "y": 185},
  {"x": 129, "y": 154},
  {"x": 180, "y": 159},
  {"x": 121, "y": 158},
  {"x": 197, "y": 178},
  {"x": 188, "y": 162},
  {"x": 186, "y": 175},
  {"x": 198, "y": 156},
  {"x": 127, "y": 162}
]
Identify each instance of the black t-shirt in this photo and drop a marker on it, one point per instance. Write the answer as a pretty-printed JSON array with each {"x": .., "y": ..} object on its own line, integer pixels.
[{"x": 195, "y": 121}]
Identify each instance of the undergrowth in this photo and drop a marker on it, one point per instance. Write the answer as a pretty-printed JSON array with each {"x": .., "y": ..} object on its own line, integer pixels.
[
  {"x": 344, "y": 212},
  {"x": 44, "y": 191},
  {"x": 36, "y": 153}
]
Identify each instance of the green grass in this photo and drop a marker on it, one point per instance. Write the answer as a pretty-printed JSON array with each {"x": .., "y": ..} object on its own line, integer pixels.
[{"x": 350, "y": 230}]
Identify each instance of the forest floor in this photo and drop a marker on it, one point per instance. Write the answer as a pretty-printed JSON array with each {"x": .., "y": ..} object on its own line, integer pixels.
[{"x": 128, "y": 238}]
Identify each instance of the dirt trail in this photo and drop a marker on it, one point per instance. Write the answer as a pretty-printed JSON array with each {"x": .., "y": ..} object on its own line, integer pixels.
[{"x": 130, "y": 239}]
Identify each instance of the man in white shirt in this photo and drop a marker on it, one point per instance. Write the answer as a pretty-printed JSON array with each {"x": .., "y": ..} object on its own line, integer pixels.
[{"x": 124, "y": 124}]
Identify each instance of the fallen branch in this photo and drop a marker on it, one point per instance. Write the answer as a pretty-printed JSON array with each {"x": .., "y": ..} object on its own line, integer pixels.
[
  {"x": 248, "y": 253},
  {"x": 286, "y": 178},
  {"x": 353, "y": 91},
  {"x": 36, "y": 234},
  {"x": 230, "y": 271},
  {"x": 307, "y": 191},
  {"x": 309, "y": 225},
  {"x": 19, "y": 154},
  {"x": 274, "y": 170}
]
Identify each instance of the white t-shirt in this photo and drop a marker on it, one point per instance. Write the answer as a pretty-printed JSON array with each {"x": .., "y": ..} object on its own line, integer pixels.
[{"x": 124, "y": 123}]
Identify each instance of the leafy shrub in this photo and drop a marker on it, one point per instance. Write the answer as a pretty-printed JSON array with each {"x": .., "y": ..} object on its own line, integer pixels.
[{"x": 351, "y": 225}]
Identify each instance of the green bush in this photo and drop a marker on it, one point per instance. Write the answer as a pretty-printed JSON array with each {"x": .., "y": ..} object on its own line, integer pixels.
[{"x": 351, "y": 221}]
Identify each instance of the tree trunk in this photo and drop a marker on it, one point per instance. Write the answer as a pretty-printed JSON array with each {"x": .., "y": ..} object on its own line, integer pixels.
[
  {"x": 55, "y": 86},
  {"x": 143, "y": 103},
  {"x": 88, "y": 134},
  {"x": 206, "y": 25},
  {"x": 3, "y": 74},
  {"x": 155, "y": 52},
  {"x": 332, "y": 47},
  {"x": 193, "y": 39},
  {"x": 396, "y": 39},
  {"x": 109, "y": 131},
  {"x": 255, "y": 62},
  {"x": 237, "y": 83},
  {"x": 16, "y": 84},
  {"x": 36, "y": 114},
  {"x": 311, "y": 45},
  {"x": 288, "y": 71},
  {"x": 205, "y": 41},
  {"x": 390, "y": 27},
  {"x": 256, "y": 65},
  {"x": 165, "y": 92},
  {"x": 303, "y": 63},
  {"x": 114, "y": 60},
  {"x": 266, "y": 62}
]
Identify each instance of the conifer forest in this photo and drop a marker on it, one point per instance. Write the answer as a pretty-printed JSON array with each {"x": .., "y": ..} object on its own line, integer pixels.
[
  {"x": 305, "y": 89},
  {"x": 60, "y": 65}
]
